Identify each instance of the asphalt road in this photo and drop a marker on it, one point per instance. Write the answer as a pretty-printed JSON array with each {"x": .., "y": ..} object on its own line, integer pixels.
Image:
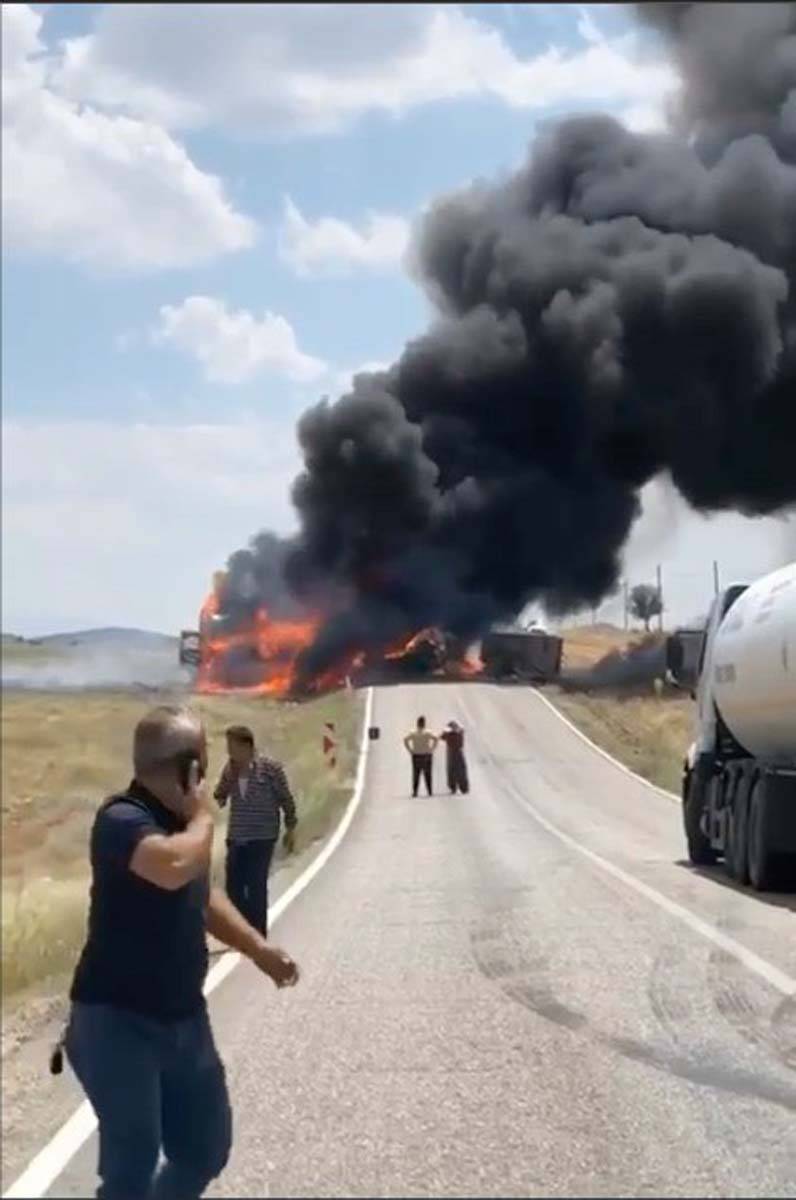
[{"x": 506, "y": 994}]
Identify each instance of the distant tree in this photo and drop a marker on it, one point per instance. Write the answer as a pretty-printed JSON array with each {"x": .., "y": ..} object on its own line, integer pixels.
[{"x": 645, "y": 603}]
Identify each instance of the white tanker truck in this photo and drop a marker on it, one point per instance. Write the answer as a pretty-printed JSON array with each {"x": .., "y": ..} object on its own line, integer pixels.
[{"x": 739, "y": 778}]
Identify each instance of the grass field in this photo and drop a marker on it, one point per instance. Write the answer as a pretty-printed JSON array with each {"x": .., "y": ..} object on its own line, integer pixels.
[
  {"x": 647, "y": 733},
  {"x": 15, "y": 653},
  {"x": 64, "y": 752},
  {"x": 585, "y": 645}
]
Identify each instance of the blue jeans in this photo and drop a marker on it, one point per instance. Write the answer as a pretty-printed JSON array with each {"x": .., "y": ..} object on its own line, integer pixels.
[{"x": 154, "y": 1087}]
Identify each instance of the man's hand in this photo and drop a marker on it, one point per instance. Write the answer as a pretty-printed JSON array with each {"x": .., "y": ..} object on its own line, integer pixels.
[
  {"x": 195, "y": 799},
  {"x": 277, "y": 965},
  {"x": 226, "y": 924},
  {"x": 289, "y": 841}
]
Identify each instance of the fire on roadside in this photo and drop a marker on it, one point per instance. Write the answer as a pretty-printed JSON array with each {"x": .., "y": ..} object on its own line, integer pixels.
[{"x": 259, "y": 656}]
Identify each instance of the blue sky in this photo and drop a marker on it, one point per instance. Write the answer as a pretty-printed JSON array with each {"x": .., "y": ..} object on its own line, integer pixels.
[{"x": 205, "y": 229}]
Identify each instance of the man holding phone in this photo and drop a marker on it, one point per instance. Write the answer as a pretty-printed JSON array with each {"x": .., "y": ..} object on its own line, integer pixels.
[{"x": 139, "y": 1038}]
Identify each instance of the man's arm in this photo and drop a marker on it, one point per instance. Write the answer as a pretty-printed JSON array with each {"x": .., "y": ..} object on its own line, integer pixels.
[
  {"x": 223, "y": 787},
  {"x": 225, "y": 923},
  {"x": 284, "y": 796},
  {"x": 126, "y": 836},
  {"x": 171, "y": 861},
  {"x": 408, "y": 742}
]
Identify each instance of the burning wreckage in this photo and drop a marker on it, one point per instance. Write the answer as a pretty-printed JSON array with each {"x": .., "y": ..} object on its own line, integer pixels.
[{"x": 263, "y": 656}]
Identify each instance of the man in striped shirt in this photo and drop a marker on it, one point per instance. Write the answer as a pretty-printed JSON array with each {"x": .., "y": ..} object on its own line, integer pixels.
[{"x": 258, "y": 792}]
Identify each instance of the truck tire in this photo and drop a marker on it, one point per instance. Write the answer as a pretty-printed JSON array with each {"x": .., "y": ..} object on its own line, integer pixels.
[
  {"x": 700, "y": 851},
  {"x": 762, "y": 862},
  {"x": 736, "y": 859}
]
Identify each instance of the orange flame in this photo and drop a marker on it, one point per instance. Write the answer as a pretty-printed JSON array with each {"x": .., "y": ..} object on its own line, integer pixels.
[
  {"x": 266, "y": 658},
  {"x": 259, "y": 657}
]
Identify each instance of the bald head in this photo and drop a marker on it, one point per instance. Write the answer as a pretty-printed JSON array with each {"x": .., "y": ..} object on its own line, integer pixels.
[{"x": 163, "y": 734}]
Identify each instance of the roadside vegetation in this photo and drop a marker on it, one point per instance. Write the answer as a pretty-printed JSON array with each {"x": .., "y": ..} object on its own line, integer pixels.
[
  {"x": 63, "y": 752},
  {"x": 645, "y": 726}
]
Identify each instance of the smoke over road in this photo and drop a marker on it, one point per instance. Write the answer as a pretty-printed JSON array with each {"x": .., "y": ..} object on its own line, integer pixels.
[{"x": 620, "y": 307}]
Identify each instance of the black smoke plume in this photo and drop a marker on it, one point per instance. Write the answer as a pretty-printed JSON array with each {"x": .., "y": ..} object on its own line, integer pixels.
[{"x": 620, "y": 307}]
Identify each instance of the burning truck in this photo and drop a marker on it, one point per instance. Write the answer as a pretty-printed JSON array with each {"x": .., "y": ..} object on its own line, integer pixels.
[{"x": 263, "y": 654}]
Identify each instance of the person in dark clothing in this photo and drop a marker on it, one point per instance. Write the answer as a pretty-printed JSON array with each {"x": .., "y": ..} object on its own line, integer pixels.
[
  {"x": 421, "y": 746},
  {"x": 139, "y": 1038},
  {"x": 258, "y": 793},
  {"x": 456, "y": 763}
]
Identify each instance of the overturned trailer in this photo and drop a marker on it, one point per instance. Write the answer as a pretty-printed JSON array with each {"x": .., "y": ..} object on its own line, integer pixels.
[{"x": 531, "y": 656}]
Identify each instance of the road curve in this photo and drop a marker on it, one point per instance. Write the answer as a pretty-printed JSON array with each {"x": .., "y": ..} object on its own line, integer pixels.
[{"x": 519, "y": 992}]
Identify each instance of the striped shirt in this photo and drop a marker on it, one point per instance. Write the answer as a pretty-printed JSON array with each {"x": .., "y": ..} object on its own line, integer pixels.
[{"x": 255, "y": 815}]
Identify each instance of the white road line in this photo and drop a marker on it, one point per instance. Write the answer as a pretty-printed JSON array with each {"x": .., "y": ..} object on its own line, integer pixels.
[
  {"x": 604, "y": 753},
  {"x": 772, "y": 975},
  {"x": 48, "y": 1164}
]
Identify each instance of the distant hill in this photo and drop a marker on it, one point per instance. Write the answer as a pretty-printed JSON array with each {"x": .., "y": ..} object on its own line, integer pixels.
[
  {"x": 112, "y": 636},
  {"x": 93, "y": 658}
]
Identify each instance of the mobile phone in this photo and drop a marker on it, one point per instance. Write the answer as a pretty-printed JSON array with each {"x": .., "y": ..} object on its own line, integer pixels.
[{"x": 185, "y": 761}]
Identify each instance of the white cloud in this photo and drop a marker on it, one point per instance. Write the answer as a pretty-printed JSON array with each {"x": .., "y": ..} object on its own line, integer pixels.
[
  {"x": 329, "y": 245},
  {"x": 305, "y": 69},
  {"x": 587, "y": 27},
  {"x": 107, "y": 190},
  {"x": 234, "y": 346},
  {"x": 644, "y": 118},
  {"x": 344, "y": 379},
  {"x": 124, "y": 524}
]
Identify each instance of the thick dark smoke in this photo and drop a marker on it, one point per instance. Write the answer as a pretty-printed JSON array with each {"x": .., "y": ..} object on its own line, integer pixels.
[
  {"x": 256, "y": 577},
  {"x": 622, "y": 306}
]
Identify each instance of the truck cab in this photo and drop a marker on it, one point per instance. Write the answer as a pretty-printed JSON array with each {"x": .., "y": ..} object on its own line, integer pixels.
[{"x": 190, "y": 647}]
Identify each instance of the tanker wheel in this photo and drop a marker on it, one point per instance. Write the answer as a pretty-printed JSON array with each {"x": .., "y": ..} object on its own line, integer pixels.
[
  {"x": 700, "y": 851},
  {"x": 737, "y": 856},
  {"x": 762, "y": 862}
]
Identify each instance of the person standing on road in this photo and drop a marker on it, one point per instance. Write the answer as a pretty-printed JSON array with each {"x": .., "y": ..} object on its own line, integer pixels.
[
  {"x": 258, "y": 793},
  {"x": 421, "y": 746},
  {"x": 139, "y": 1037},
  {"x": 456, "y": 763}
]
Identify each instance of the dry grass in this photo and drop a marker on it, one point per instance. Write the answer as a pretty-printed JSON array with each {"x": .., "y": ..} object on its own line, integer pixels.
[
  {"x": 646, "y": 733},
  {"x": 64, "y": 752},
  {"x": 24, "y": 653},
  {"x": 585, "y": 645}
]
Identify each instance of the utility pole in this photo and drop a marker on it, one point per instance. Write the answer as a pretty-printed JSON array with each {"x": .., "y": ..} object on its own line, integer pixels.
[
  {"x": 660, "y": 599},
  {"x": 715, "y": 578},
  {"x": 626, "y": 591}
]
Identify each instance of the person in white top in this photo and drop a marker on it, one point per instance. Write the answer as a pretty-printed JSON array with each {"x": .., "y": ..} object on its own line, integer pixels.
[{"x": 421, "y": 746}]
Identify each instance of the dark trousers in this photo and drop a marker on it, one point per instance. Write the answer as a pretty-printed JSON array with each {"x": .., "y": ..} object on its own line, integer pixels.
[
  {"x": 421, "y": 769},
  {"x": 457, "y": 773},
  {"x": 154, "y": 1087},
  {"x": 248, "y": 864}
]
